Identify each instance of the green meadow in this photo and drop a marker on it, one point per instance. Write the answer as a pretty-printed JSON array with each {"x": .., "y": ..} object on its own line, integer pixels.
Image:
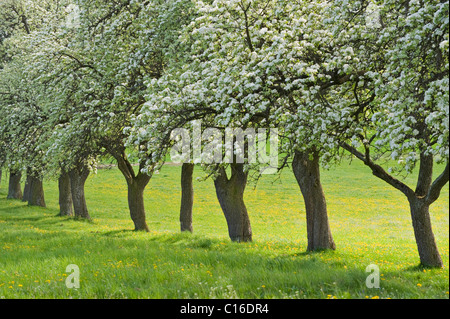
[{"x": 370, "y": 223}]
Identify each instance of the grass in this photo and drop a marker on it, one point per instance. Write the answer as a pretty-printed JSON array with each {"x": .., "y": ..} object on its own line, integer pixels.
[{"x": 369, "y": 220}]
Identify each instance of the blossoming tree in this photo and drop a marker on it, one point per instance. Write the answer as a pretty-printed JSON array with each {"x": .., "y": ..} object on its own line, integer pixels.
[
  {"x": 406, "y": 54},
  {"x": 251, "y": 64}
]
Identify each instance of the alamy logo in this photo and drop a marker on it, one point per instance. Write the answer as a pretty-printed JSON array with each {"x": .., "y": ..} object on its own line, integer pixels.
[
  {"x": 209, "y": 146},
  {"x": 373, "y": 280},
  {"x": 73, "y": 280}
]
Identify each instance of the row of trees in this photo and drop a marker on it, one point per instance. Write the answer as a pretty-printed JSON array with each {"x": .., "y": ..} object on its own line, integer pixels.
[{"x": 81, "y": 79}]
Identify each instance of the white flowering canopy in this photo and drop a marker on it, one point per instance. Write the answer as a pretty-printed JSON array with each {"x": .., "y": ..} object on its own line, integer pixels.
[{"x": 369, "y": 73}]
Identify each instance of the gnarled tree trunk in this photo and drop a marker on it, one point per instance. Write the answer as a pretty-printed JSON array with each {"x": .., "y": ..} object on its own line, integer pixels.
[
  {"x": 78, "y": 176},
  {"x": 14, "y": 189},
  {"x": 307, "y": 173},
  {"x": 136, "y": 186},
  {"x": 187, "y": 197},
  {"x": 65, "y": 195},
  {"x": 230, "y": 193}
]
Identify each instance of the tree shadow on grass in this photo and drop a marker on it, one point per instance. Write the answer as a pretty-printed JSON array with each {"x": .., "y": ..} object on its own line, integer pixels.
[
  {"x": 21, "y": 214},
  {"x": 118, "y": 233},
  {"x": 18, "y": 206},
  {"x": 7, "y": 208},
  {"x": 419, "y": 268},
  {"x": 314, "y": 252},
  {"x": 16, "y": 219}
]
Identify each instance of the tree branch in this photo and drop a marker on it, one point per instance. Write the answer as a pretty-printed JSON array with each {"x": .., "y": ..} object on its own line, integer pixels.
[
  {"x": 436, "y": 187},
  {"x": 247, "y": 26},
  {"x": 114, "y": 11},
  {"x": 378, "y": 171},
  {"x": 81, "y": 64}
]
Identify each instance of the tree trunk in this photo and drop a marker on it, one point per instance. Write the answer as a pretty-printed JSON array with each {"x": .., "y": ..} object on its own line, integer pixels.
[
  {"x": 307, "y": 173},
  {"x": 136, "y": 186},
  {"x": 423, "y": 232},
  {"x": 14, "y": 190},
  {"x": 187, "y": 197},
  {"x": 27, "y": 189},
  {"x": 36, "y": 196},
  {"x": 65, "y": 195},
  {"x": 78, "y": 178},
  {"x": 230, "y": 193},
  {"x": 420, "y": 214}
]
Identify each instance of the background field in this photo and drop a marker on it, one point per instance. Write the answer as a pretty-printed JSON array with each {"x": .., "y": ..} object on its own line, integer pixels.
[{"x": 369, "y": 220}]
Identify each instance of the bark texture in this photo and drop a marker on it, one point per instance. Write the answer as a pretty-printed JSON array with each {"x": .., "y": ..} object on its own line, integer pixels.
[
  {"x": 36, "y": 192},
  {"x": 27, "y": 189},
  {"x": 230, "y": 193},
  {"x": 425, "y": 194},
  {"x": 423, "y": 232},
  {"x": 65, "y": 195},
  {"x": 136, "y": 189},
  {"x": 307, "y": 173},
  {"x": 187, "y": 197},
  {"x": 136, "y": 185},
  {"x": 14, "y": 189},
  {"x": 78, "y": 176}
]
